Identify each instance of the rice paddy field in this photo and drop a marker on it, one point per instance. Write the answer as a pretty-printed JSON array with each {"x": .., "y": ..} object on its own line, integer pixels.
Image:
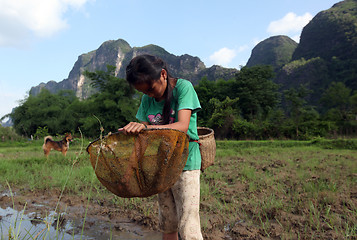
[{"x": 255, "y": 190}]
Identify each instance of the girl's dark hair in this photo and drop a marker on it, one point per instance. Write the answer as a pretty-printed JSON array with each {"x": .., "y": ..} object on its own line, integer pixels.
[{"x": 146, "y": 69}]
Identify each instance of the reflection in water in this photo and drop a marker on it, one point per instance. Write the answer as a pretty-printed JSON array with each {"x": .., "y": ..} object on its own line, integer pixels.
[{"x": 17, "y": 225}]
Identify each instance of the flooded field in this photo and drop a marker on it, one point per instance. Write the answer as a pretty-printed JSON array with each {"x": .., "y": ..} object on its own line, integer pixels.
[
  {"x": 29, "y": 226},
  {"x": 38, "y": 221}
]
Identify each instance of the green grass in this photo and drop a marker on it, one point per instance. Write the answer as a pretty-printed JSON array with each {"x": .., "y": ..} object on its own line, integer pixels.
[
  {"x": 277, "y": 189},
  {"x": 26, "y": 166},
  {"x": 290, "y": 189}
]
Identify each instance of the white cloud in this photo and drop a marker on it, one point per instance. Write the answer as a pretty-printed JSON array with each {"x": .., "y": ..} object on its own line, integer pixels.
[
  {"x": 289, "y": 24},
  {"x": 23, "y": 19},
  {"x": 223, "y": 56}
]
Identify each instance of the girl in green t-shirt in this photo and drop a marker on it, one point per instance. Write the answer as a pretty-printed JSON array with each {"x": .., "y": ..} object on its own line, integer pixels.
[{"x": 170, "y": 103}]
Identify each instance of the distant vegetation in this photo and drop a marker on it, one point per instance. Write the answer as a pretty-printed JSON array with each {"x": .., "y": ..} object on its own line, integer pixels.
[
  {"x": 8, "y": 133},
  {"x": 245, "y": 107},
  {"x": 112, "y": 107},
  {"x": 249, "y": 107}
]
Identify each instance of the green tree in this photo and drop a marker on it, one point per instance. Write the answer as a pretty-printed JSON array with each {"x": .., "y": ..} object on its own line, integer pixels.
[
  {"x": 257, "y": 93},
  {"x": 223, "y": 117},
  {"x": 298, "y": 111},
  {"x": 337, "y": 99},
  {"x": 45, "y": 110},
  {"x": 353, "y": 100},
  {"x": 114, "y": 105},
  {"x": 342, "y": 107},
  {"x": 206, "y": 90},
  {"x": 41, "y": 132}
]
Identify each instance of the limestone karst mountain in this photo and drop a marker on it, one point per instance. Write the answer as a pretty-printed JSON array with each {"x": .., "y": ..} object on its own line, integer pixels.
[
  {"x": 118, "y": 53},
  {"x": 326, "y": 53},
  {"x": 276, "y": 51}
]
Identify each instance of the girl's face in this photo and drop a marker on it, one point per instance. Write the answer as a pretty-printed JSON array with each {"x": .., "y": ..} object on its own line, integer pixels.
[{"x": 155, "y": 89}]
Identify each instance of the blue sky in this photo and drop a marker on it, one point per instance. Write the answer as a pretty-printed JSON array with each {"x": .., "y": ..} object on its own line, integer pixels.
[{"x": 40, "y": 40}]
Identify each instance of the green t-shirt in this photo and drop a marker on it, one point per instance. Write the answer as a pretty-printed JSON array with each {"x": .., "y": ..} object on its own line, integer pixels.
[{"x": 184, "y": 97}]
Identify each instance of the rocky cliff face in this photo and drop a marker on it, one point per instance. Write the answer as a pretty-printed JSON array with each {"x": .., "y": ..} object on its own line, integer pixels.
[
  {"x": 327, "y": 48},
  {"x": 118, "y": 53},
  {"x": 331, "y": 33},
  {"x": 327, "y": 52}
]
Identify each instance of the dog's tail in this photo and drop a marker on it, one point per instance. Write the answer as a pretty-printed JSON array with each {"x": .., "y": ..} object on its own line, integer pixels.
[{"x": 46, "y": 139}]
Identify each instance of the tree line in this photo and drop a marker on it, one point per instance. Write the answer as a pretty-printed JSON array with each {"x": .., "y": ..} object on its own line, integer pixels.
[
  {"x": 249, "y": 106},
  {"x": 113, "y": 105}
]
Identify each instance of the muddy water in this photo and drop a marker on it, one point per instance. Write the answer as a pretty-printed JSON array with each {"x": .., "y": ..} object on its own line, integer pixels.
[{"x": 50, "y": 227}]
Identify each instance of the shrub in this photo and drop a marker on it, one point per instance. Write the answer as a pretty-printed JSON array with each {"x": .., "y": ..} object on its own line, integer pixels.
[
  {"x": 8, "y": 133},
  {"x": 41, "y": 132}
]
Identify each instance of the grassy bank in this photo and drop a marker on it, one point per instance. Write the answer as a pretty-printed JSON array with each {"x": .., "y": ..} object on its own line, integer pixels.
[{"x": 273, "y": 189}]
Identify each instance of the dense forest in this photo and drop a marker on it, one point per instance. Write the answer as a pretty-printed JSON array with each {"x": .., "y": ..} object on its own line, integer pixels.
[{"x": 248, "y": 106}]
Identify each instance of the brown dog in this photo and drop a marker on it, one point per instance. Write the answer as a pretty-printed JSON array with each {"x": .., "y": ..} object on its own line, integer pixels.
[{"x": 61, "y": 146}]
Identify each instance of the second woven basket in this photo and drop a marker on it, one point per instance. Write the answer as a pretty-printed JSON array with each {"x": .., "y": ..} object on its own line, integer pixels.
[{"x": 207, "y": 146}]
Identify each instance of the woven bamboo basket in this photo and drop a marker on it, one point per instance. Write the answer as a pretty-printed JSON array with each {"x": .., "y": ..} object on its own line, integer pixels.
[
  {"x": 139, "y": 165},
  {"x": 207, "y": 146}
]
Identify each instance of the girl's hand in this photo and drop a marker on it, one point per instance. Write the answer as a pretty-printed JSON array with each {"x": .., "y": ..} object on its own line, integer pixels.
[{"x": 132, "y": 128}]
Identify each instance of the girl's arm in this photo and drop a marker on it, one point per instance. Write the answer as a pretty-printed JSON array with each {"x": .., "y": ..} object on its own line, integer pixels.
[{"x": 182, "y": 124}]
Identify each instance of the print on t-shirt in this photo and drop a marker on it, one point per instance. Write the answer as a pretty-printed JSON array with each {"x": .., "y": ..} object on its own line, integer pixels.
[{"x": 158, "y": 120}]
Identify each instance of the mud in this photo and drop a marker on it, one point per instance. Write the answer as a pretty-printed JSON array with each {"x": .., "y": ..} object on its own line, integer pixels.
[{"x": 40, "y": 214}]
